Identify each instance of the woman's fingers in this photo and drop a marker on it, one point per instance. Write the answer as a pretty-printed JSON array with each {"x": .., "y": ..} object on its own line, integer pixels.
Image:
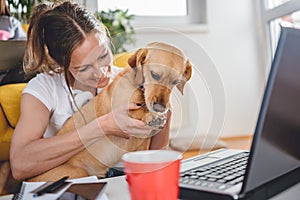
[{"x": 123, "y": 125}]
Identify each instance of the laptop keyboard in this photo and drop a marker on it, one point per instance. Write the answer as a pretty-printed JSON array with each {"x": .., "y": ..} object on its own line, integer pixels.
[{"x": 218, "y": 175}]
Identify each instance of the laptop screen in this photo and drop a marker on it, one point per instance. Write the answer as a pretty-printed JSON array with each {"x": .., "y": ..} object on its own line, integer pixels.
[
  {"x": 275, "y": 148},
  {"x": 12, "y": 52}
]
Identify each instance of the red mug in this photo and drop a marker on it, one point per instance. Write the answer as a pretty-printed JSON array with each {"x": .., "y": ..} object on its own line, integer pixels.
[{"x": 153, "y": 174}]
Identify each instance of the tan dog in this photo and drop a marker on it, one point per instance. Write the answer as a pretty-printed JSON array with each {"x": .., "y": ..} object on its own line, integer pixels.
[{"x": 153, "y": 73}]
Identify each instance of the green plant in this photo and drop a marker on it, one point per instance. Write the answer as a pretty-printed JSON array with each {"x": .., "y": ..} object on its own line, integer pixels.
[
  {"x": 21, "y": 9},
  {"x": 118, "y": 22}
]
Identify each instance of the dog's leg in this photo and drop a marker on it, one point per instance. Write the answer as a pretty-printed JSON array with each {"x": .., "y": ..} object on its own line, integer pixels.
[
  {"x": 155, "y": 120},
  {"x": 59, "y": 172}
]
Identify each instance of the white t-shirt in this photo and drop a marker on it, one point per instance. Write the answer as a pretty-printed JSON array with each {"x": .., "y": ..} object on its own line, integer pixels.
[{"x": 53, "y": 92}]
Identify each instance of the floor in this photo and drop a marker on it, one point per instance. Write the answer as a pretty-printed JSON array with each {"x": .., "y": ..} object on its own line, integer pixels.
[{"x": 242, "y": 142}]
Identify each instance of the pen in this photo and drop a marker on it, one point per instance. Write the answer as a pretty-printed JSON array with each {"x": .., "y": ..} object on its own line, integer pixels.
[{"x": 53, "y": 187}]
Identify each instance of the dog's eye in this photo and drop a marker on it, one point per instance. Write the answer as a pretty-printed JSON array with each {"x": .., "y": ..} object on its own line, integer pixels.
[
  {"x": 175, "y": 82},
  {"x": 155, "y": 76}
]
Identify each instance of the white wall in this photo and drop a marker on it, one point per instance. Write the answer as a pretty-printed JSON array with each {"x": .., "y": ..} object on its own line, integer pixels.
[
  {"x": 227, "y": 61},
  {"x": 232, "y": 44}
]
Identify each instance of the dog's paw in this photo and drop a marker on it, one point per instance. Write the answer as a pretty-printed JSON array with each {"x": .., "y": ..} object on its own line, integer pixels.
[{"x": 156, "y": 120}]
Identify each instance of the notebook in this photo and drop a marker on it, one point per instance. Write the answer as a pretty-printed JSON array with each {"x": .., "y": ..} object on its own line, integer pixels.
[
  {"x": 80, "y": 188},
  {"x": 273, "y": 163}
]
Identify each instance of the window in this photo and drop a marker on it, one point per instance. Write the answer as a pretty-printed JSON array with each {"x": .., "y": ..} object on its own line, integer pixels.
[
  {"x": 276, "y": 13},
  {"x": 148, "y": 8},
  {"x": 275, "y": 3},
  {"x": 272, "y": 14},
  {"x": 161, "y": 12}
]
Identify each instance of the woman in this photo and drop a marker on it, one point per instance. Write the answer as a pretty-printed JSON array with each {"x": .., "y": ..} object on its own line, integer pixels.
[
  {"x": 69, "y": 46},
  {"x": 10, "y": 27}
]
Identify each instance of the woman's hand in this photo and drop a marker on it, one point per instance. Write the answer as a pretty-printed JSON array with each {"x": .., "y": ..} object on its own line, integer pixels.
[{"x": 120, "y": 124}]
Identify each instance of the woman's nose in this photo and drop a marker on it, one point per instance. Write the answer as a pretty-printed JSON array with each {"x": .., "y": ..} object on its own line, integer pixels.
[{"x": 96, "y": 71}]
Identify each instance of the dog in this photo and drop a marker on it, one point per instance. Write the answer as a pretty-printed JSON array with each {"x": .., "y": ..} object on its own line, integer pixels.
[{"x": 152, "y": 73}]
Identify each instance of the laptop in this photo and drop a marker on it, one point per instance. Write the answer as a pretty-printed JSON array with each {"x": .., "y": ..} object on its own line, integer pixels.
[
  {"x": 12, "y": 52},
  {"x": 11, "y": 62},
  {"x": 273, "y": 162}
]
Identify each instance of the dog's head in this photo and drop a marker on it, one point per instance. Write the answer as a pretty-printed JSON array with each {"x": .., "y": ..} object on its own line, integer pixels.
[{"x": 159, "y": 67}]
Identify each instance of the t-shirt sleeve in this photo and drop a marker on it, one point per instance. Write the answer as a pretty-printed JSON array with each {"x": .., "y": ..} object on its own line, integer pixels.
[
  {"x": 43, "y": 88},
  {"x": 114, "y": 71}
]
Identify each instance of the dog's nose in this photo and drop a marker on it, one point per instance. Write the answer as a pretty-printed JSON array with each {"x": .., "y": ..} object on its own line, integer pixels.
[{"x": 158, "y": 107}]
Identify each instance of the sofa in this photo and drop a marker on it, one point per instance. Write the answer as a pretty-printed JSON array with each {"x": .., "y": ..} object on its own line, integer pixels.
[{"x": 10, "y": 97}]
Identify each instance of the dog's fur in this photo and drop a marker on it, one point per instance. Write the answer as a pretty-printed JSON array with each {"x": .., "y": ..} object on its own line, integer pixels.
[{"x": 157, "y": 68}]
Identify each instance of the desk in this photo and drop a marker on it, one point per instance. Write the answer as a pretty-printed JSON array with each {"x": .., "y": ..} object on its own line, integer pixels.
[
  {"x": 117, "y": 189},
  {"x": 119, "y": 184}
]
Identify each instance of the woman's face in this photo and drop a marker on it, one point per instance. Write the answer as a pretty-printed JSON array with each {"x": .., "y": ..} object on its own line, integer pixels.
[{"x": 90, "y": 63}]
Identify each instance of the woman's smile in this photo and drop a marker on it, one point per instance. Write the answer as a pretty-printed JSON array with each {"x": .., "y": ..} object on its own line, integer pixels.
[{"x": 91, "y": 69}]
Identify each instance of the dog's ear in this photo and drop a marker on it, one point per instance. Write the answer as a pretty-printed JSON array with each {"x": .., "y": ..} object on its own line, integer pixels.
[
  {"x": 136, "y": 61},
  {"x": 186, "y": 76}
]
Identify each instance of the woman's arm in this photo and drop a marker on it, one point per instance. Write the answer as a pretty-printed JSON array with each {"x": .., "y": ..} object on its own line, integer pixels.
[
  {"x": 30, "y": 153},
  {"x": 161, "y": 139}
]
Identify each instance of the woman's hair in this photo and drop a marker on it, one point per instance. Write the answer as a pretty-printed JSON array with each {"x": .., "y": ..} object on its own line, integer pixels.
[
  {"x": 4, "y": 10},
  {"x": 55, "y": 30}
]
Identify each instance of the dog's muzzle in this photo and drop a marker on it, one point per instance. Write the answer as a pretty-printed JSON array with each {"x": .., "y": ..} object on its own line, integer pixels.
[{"x": 157, "y": 107}]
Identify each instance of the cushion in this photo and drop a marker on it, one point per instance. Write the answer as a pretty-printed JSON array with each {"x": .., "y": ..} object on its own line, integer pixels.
[
  {"x": 5, "y": 129},
  {"x": 5, "y": 136},
  {"x": 3, "y": 122},
  {"x": 120, "y": 60},
  {"x": 10, "y": 97}
]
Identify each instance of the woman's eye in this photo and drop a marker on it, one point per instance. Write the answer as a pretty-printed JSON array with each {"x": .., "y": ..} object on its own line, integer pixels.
[
  {"x": 84, "y": 68},
  {"x": 104, "y": 56},
  {"x": 175, "y": 82},
  {"x": 155, "y": 76}
]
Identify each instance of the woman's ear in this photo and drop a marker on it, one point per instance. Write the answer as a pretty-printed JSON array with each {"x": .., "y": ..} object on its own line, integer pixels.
[
  {"x": 186, "y": 76},
  {"x": 136, "y": 61}
]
